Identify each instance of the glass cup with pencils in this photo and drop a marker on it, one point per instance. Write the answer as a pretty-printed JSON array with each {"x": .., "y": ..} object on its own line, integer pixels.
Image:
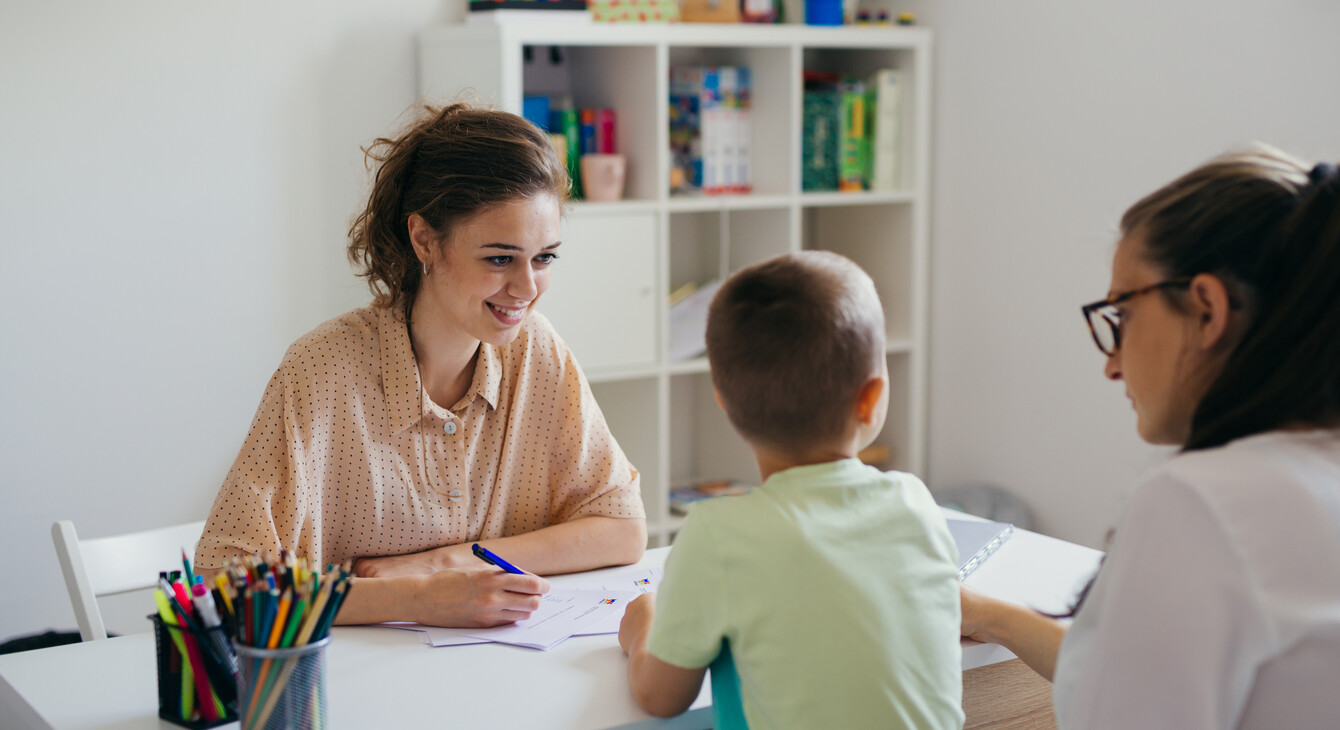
[{"x": 285, "y": 612}]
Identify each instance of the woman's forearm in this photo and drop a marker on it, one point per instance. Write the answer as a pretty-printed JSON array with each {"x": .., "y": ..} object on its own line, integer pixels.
[
  {"x": 374, "y": 600},
  {"x": 1033, "y": 637},
  {"x": 569, "y": 547}
]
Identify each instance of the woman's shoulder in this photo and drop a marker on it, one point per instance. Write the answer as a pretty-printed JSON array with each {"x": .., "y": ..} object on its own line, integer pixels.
[
  {"x": 1286, "y": 460},
  {"x": 1274, "y": 496},
  {"x": 351, "y": 339}
]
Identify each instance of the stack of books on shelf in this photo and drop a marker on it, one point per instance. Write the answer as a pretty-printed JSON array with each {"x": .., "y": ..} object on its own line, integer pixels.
[
  {"x": 711, "y": 130},
  {"x": 573, "y": 132},
  {"x": 850, "y": 130},
  {"x": 684, "y": 495}
]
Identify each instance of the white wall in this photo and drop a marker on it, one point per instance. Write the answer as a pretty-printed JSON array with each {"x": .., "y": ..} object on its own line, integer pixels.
[
  {"x": 175, "y": 183},
  {"x": 1051, "y": 118},
  {"x": 176, "y": 179}
]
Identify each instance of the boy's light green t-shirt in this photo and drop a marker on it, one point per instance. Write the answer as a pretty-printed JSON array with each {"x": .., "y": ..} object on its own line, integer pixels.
[{"x": 837, "y": 586}]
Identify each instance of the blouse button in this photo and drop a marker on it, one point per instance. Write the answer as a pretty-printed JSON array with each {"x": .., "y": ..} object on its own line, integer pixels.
[{"x": 450, "y": 427}]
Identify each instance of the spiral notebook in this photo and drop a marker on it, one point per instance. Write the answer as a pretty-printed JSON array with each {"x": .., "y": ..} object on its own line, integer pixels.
[{"x": 976, "y": 541}]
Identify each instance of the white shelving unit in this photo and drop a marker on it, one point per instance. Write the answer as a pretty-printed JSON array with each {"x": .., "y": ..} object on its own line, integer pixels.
[{"x": 621, "y": 260}]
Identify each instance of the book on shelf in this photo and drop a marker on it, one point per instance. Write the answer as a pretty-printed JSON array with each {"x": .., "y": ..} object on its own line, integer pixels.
[
  {"x": 565, "y": 121},
  {"x": 688, "y": 320},
  {"x": 883, "y": 106},
  {"x": 850, "y": 132},
  {"x": 742, "y": 120},
  {"x": 528, "y": 11},
  {"x": 710, "y": 129},
  {"x": 852, "y": 152},
  {"x": 820, "y": 134},
  {"x": 685, "y": 495},
  {"x": 573, "y": 132}
]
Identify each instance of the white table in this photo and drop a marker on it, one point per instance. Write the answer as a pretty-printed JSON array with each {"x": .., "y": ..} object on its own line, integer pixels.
[{"x": 381, "y": 677}]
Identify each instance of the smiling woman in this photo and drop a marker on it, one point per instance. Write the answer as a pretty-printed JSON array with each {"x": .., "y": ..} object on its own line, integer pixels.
[{"x": 448, "y": 412}]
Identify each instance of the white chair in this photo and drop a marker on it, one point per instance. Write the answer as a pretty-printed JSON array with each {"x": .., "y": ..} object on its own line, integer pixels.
[{"x": 119, "y": 564}]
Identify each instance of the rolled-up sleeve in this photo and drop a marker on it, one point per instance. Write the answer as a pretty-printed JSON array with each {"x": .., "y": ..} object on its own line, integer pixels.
[{"x": 593, "y": 476}]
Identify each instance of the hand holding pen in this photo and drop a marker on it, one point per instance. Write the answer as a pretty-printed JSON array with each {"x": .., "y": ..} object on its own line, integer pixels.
[
  {"x": 480, "y": 598},
  {"x": 483, "y": 553}
]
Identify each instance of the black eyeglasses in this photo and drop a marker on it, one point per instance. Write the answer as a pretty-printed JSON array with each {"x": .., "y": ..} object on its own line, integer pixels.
[{"x": 1105, "y": 320}]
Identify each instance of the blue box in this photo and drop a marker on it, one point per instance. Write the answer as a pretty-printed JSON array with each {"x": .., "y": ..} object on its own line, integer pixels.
[{"x": 536, "y": 109}]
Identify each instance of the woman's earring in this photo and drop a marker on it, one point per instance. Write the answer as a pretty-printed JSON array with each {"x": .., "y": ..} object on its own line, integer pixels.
[{"x": 425, "y": 269}]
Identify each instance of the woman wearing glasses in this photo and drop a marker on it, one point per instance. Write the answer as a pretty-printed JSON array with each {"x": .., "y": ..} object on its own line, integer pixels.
[{"x": 1218, "y": 605}]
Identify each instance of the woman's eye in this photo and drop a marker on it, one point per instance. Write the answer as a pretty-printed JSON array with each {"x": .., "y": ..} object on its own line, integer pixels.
[
  {"x": 499, "y": 260},
  {"x": 545, "y": 259}
]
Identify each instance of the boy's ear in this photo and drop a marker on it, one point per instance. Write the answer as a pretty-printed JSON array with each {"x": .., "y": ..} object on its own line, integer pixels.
[{"x": 867, "y": 400}]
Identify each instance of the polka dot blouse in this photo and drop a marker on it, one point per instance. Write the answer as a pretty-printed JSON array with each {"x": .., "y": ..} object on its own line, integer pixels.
[{"x": 348, "y": 456}]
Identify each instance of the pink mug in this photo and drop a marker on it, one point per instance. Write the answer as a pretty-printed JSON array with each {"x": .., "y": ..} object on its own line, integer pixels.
[{"x": 602, "y": 177}]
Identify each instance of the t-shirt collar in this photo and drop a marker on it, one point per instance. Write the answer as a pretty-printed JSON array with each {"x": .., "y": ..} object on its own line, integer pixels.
[{"x": 841, "y": 472}]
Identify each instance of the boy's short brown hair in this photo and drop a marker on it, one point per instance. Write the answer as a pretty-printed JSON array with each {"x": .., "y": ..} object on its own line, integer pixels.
[{"x": 791, "y": 341}]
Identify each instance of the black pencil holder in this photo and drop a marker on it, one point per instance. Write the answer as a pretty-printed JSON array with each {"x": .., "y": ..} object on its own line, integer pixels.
[{"x": 215, "y": 653}]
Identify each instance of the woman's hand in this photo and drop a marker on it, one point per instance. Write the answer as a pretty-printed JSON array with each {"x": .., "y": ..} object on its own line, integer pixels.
[
  {"x": 1033, "y": 637},
  {"x": 477, "y": 598},
  {"x": 636, "y": 623}
]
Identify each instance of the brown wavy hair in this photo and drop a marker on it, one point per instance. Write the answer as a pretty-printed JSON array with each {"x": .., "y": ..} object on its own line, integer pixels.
[
  {"x": 792, "y": 340},
  {"x": 1269, "y": 227},
  {"x": 449, "y": 164}
]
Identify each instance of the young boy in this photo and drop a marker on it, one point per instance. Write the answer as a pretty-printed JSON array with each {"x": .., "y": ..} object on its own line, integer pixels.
[{"x": 835, "y": 583}]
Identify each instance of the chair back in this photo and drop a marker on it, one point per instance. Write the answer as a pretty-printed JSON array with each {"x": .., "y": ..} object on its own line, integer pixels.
[
  {"x": 727, "y": 705},
  {"x": 119, "y": 564}
]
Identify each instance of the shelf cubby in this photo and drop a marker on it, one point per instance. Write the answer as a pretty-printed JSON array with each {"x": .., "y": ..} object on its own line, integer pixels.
[
  {"x": 626, "y": 404},
  {"x": 703, "y": 444},
  {"x": 877, "y": 238}
]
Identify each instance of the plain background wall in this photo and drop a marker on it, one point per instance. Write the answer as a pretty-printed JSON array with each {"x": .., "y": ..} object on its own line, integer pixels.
[{"x": 176, "y": 181}]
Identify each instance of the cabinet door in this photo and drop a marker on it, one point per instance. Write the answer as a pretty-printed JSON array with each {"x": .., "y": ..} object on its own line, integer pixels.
[{"x": 602, "y": 299}]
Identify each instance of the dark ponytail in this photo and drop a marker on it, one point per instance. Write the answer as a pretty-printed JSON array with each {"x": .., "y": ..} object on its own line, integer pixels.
[{"x": 451, "y": 163}]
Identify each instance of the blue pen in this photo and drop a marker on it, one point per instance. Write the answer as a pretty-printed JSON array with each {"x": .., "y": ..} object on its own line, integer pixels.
[{"x": 488, "y": 557}]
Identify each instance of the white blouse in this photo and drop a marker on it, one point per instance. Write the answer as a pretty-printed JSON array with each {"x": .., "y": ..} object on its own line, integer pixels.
[{"x": 1218, "y": 605}]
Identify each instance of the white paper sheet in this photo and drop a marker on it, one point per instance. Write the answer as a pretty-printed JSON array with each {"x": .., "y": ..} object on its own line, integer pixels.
[
  {"x": 642, "y": 580},
  {"x": 436, "y": 635},
  {"x": 439, "y": 636},
  {"x": 563, "y": 613},
  {"x": 688, "y": 323}
]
